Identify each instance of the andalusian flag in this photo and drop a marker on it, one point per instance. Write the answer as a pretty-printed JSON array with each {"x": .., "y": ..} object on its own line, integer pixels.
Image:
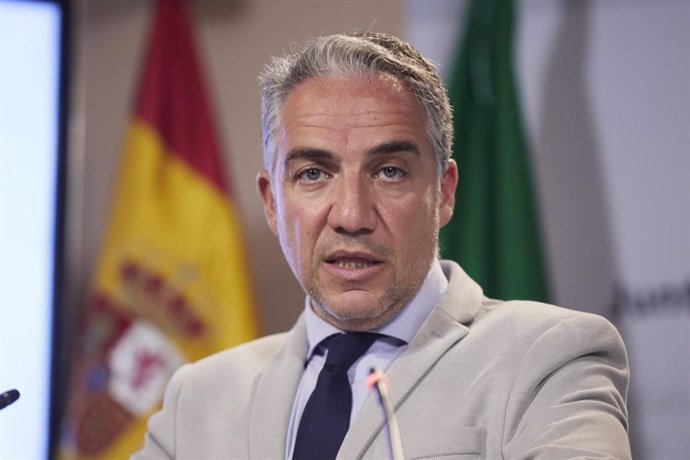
[
  {"x": 171, "y": 285},
  {"x": 495, "y": 232}
]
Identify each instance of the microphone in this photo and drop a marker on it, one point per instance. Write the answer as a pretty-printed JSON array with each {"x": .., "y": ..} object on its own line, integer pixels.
[
  {"x": 378, "y": 381},
  {"x": 8, "y": 398}
]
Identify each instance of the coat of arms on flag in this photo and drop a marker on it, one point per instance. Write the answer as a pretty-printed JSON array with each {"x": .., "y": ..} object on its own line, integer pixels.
[{"x": 141, "y": 363}]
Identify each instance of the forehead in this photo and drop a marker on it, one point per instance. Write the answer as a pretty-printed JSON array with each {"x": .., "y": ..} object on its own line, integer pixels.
[{"x": 349, "y": 111}]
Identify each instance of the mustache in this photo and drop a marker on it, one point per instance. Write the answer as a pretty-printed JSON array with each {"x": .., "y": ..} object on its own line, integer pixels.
[{"x": 353, "y": 243}]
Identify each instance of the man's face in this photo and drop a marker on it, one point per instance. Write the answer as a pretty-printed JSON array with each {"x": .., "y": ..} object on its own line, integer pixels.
[{"x": 355, "y": 199}]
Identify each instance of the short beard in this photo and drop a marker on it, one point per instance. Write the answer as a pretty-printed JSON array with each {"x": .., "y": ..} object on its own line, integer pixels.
[{"x": 366, "y": 318}]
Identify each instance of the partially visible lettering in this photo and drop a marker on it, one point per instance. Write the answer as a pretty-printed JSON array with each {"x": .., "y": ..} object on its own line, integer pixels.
[{"x": 668, "y": 297}]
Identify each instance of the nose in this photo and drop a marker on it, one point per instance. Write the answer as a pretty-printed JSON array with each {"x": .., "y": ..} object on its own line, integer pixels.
[{"x": 353, "y": 209}]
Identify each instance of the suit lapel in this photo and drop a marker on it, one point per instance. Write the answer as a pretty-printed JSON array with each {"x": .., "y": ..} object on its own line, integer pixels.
[
  {"x": 444, "y": 327},
  {"x": 274, "y": 395}
]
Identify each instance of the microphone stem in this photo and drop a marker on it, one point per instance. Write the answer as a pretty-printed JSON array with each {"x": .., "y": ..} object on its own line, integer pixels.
[{"x": 391, "y": 421}]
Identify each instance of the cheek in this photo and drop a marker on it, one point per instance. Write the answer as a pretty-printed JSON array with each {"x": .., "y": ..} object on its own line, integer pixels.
[
  {"x": 413, "y": 223},
  {"x": 414, "y": 211},
  {"x": 286, "y": 223},
  {"x": 420, "y": 237},
  {"x": 298, "y": 229}
]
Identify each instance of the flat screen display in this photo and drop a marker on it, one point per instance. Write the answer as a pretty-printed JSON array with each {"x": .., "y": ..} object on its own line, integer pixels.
[{"x": 30, "y": 47}]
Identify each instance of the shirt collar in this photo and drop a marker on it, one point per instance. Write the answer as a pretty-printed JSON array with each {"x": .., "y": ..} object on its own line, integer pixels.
[{"x": 403, "y": 326}]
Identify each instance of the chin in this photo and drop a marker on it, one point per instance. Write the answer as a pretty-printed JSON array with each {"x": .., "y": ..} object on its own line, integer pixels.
[{"x": 358, "y": 316}]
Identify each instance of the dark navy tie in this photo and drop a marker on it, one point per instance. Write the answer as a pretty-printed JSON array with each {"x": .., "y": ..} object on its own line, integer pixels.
[{"x": 326, "y": 416}]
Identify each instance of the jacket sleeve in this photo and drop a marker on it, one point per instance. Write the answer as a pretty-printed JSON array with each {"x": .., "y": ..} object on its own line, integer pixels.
[
  {"x": 568, "y": 399},
  {"x": 159, "y": 441}
]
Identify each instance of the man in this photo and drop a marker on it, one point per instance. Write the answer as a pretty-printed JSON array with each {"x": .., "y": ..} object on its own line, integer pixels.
[{"x": 358, "y": 180}]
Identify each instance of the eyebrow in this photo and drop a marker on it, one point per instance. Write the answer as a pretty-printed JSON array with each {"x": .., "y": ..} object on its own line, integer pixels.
[
  {"x": 308, "y": 154},
  {"x": 393, "y": 147},
  {"x": 383, "y": 149}
]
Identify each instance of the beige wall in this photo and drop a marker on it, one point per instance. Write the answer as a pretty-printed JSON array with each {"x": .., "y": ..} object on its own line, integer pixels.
[{"x": 234, "y": 39}]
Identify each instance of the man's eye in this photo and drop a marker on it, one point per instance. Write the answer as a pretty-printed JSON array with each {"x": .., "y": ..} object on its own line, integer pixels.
[
  {"x": 311, "y": 175},
  {"x": 390, "y": 173}
]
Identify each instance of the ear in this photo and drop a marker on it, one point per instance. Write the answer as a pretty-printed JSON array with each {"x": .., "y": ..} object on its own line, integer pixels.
[
  {"x": 449, "y": 181},
  {"x": 263, "y": 185}
]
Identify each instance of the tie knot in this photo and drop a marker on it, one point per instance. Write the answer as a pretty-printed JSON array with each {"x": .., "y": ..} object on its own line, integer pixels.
[{"x": 344, "y": 349}]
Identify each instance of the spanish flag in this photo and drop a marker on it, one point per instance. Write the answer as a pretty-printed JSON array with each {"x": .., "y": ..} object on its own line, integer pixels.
[{"x": 171, "y": 284}]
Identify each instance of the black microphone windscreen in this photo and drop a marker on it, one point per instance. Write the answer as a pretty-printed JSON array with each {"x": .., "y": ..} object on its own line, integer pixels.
[{"x": 8, "y": 398}]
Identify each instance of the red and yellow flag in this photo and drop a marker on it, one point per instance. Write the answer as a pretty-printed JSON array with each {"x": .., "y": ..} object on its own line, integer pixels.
[{"x": 171, "y": 284}]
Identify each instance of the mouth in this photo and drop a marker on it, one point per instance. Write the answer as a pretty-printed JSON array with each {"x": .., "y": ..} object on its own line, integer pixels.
[
  {"x": 352, "y": 264},
  {"x": 352, "y": 260}
]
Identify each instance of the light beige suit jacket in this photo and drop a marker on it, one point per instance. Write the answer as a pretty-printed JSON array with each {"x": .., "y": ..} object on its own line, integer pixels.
[{"x": 481, "y": 379}]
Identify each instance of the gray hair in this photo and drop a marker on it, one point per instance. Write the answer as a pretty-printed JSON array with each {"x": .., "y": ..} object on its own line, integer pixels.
[{"x": 357, "y": 54}]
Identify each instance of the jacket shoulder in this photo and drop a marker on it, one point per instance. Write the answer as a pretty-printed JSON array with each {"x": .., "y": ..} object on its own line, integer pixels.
[
  {"x": 528, "y": 316},
  {"x": 249, "y": 356}
]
